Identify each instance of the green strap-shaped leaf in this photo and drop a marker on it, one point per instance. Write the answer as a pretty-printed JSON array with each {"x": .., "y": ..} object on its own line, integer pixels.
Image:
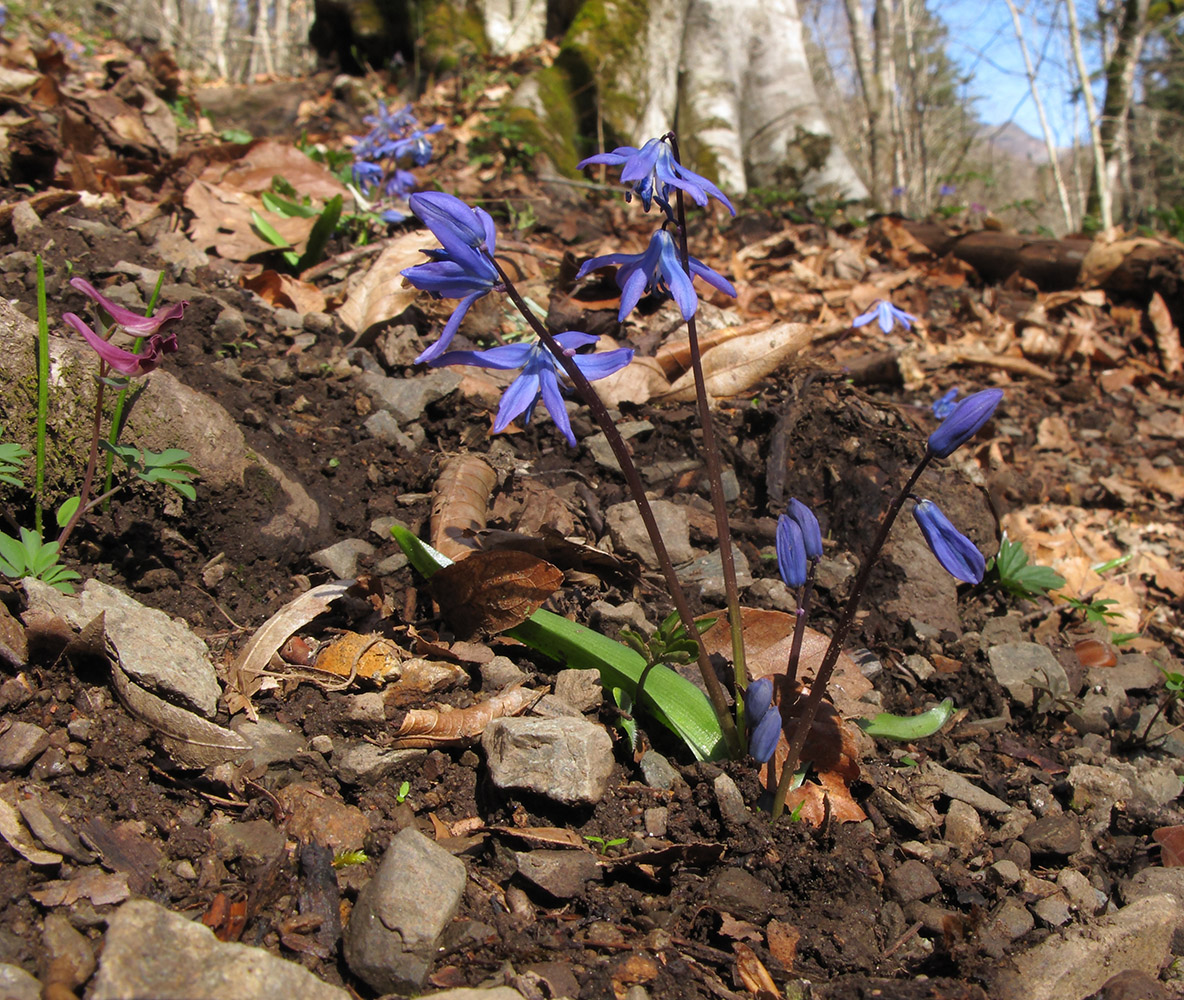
[
  {"x": 673, "y": 700},
  {"x": 909, "y": 727}
]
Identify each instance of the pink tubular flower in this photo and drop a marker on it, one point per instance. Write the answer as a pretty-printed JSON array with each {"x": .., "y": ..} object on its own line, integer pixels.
[
  {"x": 141, "y": 326},
  {"x": 125, "y": 362}
]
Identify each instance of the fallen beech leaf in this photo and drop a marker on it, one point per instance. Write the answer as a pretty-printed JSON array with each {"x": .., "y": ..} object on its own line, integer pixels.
[
  {"x": 736, "y": 366},
  {"x": 460, "y": 505},
  {"x": 738, "y": 930},
  {"x": 543, "y": 836},
  {"x": 813, "y": 799},
  {"x": 638, "y": 382},
  {"x": 1167, "y": 337},
  {"x": 382, "y": 293},
  {"x": 383, "y": 662},
  {"x": 101, "y": 888},
  {"x": 783, "y": 942},
  {"x": 427, "y": 727},
  {"x": 1171, "y": 840},
  {"x": 1095, "y": 653},
  {"x": 492, "y": 591},
  {"x": 751, "y": 971},
  {"x": 189, "y": 739},
  {"x": 674, "y": 355},
  {"x": 284, "y": 291}
]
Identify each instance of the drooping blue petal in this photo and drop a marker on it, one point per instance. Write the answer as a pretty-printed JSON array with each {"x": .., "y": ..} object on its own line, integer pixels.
[
  {"x": 758, "y": 698},
  {"x": 451, "y": 220},
  {"x": 518, "y": 398},
  {"x": 964, "y": 422},
  {"x": 553, "y": 401},
  {"x": 633, "y": 283},
  {"x": 791, "y": 551},
  {"x": 450, "y": 328},
  {"x": 605, "y": 363},
  {"x": 957, "y": 553},
  {"x": 606, "y": 260},
  {"x": 804, "y": 518},
  {"x": 652, "y": 171},
  {"x": 506, "y": 357},
  {"x": 887, "y": 315},
  {"x": 762, "y": 742},
  {"x": 713, "y": 278},
  {"x": 682, "y": 290},
  {"x": 573, "y": 340}
]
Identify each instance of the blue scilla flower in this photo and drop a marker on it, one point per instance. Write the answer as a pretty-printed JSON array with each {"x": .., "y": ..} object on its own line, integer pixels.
[
  {"x": 791, "y": 552},
  {"x": 652, "y": 171},
  {"x": 392, "y": 122},
  {"x": 804, "y": 518},
  {"x": 399, "y": 184},
  {"x": 957, "y": 553},
  {"x": 886, "y": 314},
  {"x": 763, "y": 719},
  {"x": 965, "y": 420},
  {"x": 416, "y": 146},
  {"x": 540, "y": 376},
  {"x": 660, "y": 269},
  {"x": 946, "y": 190},
  {"x": 944, "y": 406},
  {"x": 367, "y": 174},
  {"x": 463, "y": 269}
]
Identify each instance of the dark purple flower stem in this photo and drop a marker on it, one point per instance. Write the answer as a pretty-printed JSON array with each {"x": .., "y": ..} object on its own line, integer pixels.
[
  {"x": 714, "y": 471},
  {"x": 838, "y": 638},
  {"x": 620, "y": 449},
  {"x": 91, "y": 462}
]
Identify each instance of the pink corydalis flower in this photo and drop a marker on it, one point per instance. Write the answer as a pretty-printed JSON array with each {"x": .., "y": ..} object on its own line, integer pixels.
[
  {"x": 126, "y": 362},
  {"x": 141, "y": 326}
]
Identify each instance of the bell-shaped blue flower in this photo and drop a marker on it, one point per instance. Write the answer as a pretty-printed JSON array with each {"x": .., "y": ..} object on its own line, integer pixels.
[
  {"x": 886, "y": 314},
  {"x": 758, "y": 697},
  {"x": 957, "y": 553},
  {"x": 966, "y": 420},
  {"x": 804, "y": 517},
  {"x": 762, "y": 718},
  {"x": 944, "y": 405},
  {"x": 791, "y": 551},
  {"x": 659, "y": 269},
  {"x": 463, "y": 269},
  {"x": 540, "y": 376},
  {"x": 652, "y": 171}
]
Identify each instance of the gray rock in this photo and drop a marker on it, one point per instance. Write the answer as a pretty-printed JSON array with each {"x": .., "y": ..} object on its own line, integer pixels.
[
  {"x": 561, "y": 873},
  {"x": 628, "y": 533},
  {"x": 1099, "y": 708},
  {"x": 406, "y": 398},
  {"x": 189, "y": 963},
  {"x": 768, "y": 592},
  {"x": 289, "y": 318},
  {"x": 736, "y": 892},
  {"x": 255, "y": 841},
  {"x": 731, "y": 803},
  {"x": 382, "y": 426},
  {"x": 630, "y": 613},
  {"x": 919, "y": 667},
  {"x": 1155, "y": 881},
  {"x": 70, "y": 954},
  {"x": 229, "y": 326},
  {"x": 963, "y": 827},
  {"x": 1053, "y": 834},
  {"x": 913, "y": 880},
  {"x": 731, "y": 485},
  {"x": 657, "y": 821},
  {"x": 833, "y": 574},
  {"x": 392, "y": 934},
  {"x": 955, "y": 786},
  {"x": 1003, "y": 629},
  {"x": 1011, "y": 921},
  {"x": 706, "y": 573},
  {"x": 1007, "y": 872},
  {"x": 17, "y": 984},
  {"x": 579, "y": 688},
  {"x": 341, "y": 558},
  {"x": 900, "y": 812},
  {"x": 467, "y": 993},
  {"x": 926, "y": 595},
  {"x": 1132, "y": 672},
  {"x": 598, "y": 444},
  {"x": 1085, "y": 897},
  {"x": 271, "y": 742},
  {"x": 366, "y": 707},
  {"x": 156, "y": 651},
  {"x": 1157, "y": 781},
  {"x": 500, "y": 673},
  {"x": 365, "y": 764},
  {"x": 566, "y": 759},
  {"x": 21, "y": 744},
  {"x": 1098, "y": 787},
  {"x": 658, "y": 772},
  {"x": 1023, "y": 667},
  {"x": 1053, "y": 910},
  {"x": 1077, "y": 964},
  {"x": 182, "y": 254}
]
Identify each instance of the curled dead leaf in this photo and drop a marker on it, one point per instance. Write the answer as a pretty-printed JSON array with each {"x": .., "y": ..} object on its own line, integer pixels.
[
  {"x": 427, "y": 727},
  {"x": 737, "y": 365},
  {"x": 460, "y": 504},
  {"x": 492, "y": 591},
  {"x": 382, "y": 293}
]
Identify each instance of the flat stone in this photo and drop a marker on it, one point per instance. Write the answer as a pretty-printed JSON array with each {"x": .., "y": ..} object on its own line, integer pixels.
[
  {"x": 341, "y": 558},
  {"x": 72, "y": 956},
  {"x": 391, "y": 938},
  {"x": 1053, "y": 910},
  {"x": 579, "y": 688},
  {"x": 1011, "y": 921},
  {"x": 768, "y": 592},
  {"x": 1155, "y": 881},
  {"x": 955, "y": 786},
  {"x": 732, "y": 806},
  {"x": 21, "y": 744},
  {"x": 255, "y": 841},
  {"x": 17, "y": 984},
  {"x": 500, "y": 673},
  {"x": 628, "y": 533},
  {"x": 1132, "y": 672},
  {"x": 1082, "y": 894},
  {"x": 658, "y": 772},
  {"x": 963, "y": 827},
  {"x": 1131, "y": 984},
  {"x": 189, "y": 963},
  {"x": 900, "y": 812},
  {"x": 563, "y": 874},
  {"x": 157, "y": 652},
  {"x": 566, "y": 759},
  {"x": 382, "y": 426},
  {"x": 913, "y": 880},
  {"x": 598, "y": 444},
  {"x": 365, "y": 764},
  {"x": 1098, "y": 710},
  {"x": 1006, "y": 872},
  {"x": 314, "y": 817},
  {"x": 406, "y": 398},
  {"x": 736, "y": 892},
  {"x": 1098, "y": 786},
  {"x": 630, "y": 613},
  {"x": 1076, "y": 964},
  {"x": 1022, "y": 667},
  {"x": 271, "y": 742},
  {"x": 1053, "y": 834},
  {"x": 707, "y": 574}
]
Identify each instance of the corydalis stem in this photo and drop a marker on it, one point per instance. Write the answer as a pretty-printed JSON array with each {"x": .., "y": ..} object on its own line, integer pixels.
[
  {"x": 831, "y": 657},
  {"x": 711, "y": 450},
  {"x": 625, "y": 460},
  {"x": 91, "y": 462}
]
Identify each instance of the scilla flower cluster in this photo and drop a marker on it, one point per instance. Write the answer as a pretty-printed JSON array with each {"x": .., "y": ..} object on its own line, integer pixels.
[{"x": 395, "y": 140}]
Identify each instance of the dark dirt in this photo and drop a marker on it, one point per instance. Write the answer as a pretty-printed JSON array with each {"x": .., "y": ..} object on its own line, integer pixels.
[{"x": 668, "y": 928}]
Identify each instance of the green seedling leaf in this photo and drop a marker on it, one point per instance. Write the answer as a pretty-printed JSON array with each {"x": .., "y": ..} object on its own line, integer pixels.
[
  {"x": 66, "y": 511},
  {"x": 1013, "y": 573},
  {"x": 626, "y": 721},
  {"x": 31, "y": 556},
  {"x": 673, "y": 700},
  {"x": 267, "y": 231},
  {"x": 1105, "y": 567},
  {"x": 322, "y": 232},
  {"x": 238, "y": 136},
  {"x": 286, "y": 208},
  {"x": 12, "y": 458},
  {"x": 909, "y": 727}
]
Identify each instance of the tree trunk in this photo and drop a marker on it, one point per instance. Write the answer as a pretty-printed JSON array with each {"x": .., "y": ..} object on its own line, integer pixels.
[
  {"x": 1101, "y": 174},
  {"x": 877, "y": 140}
]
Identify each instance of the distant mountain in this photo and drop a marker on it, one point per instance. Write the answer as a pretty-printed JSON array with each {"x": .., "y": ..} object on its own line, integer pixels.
[{"x": 1012, "y": 141}]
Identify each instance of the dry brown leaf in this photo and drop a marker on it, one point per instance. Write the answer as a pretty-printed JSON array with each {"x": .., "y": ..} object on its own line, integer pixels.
[
  {"x": 222, "y": 220},
  {"x": 427, "y": 727},
  {"x": 638, "y": 382},
  {"x": 266, "y": 160},
  {"x": 99, "y": 887},
  {"x": 544, "y": 836},
  {"x": 674, "y": 356},
  {"x": 18, "y": 837},
  {"x": 382, "y": 661},
  {"x": 752, "y": 973},
  {"x": 783, "y": 941},
  {"x": 1171, "y": 841},
  {"x": 1167, "y": 337},
  {"x": 460, "y": 505},
  {"x": 286, "y": 292},
  {"x": 382, "y": 292},
  {"x": 491, "y": 591},
  {"x": 813, "y": 801},
  {"x": 736, "y": 366}
]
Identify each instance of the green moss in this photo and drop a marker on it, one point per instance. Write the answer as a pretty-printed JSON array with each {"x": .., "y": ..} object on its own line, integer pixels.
[{"x": 449, "y": 31}]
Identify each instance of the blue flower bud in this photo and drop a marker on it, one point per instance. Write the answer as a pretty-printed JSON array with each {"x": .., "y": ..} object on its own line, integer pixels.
[
  {"x": 804, "y": 517},
  {"x": 762, "y": 740},
  {"x": 758, "y": 696},
  {"x": 791, "y": 551},
  {"x": 966, "y": 421},
  {"x": 957, "y": 553}
]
